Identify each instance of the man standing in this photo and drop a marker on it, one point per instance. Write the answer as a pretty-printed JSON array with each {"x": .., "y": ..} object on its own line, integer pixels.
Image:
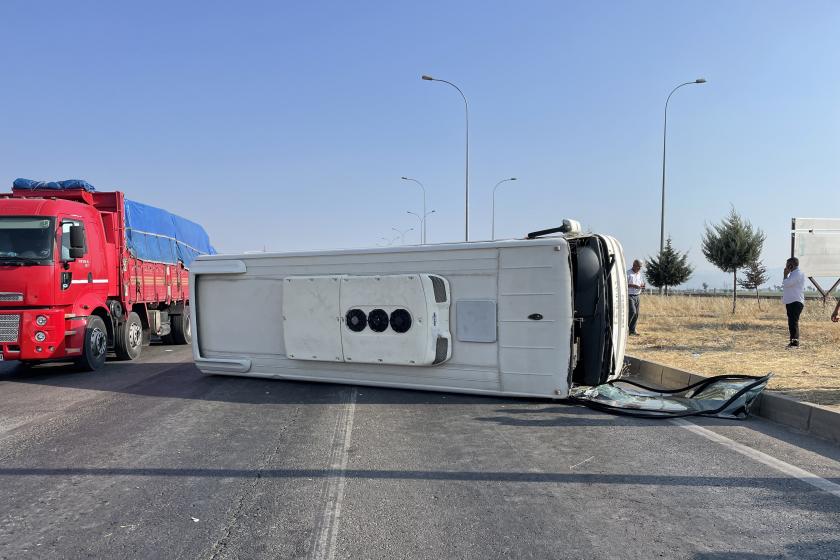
[
  {"x": 836, "y": 315},
  {"x": 635, "y": 285},
  {"x": 793, "y": 296}
]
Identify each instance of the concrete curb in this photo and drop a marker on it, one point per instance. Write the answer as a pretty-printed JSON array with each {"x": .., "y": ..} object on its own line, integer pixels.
[{"x": 813, "y": 419}]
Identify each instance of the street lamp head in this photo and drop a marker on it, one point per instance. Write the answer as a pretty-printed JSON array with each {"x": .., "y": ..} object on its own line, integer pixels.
[
  {"x": 425, "y": 77},
  {"x": 404, "y": 178},
  {"x": 700, "y": 81},
  {"x": 513, "y": 178}
]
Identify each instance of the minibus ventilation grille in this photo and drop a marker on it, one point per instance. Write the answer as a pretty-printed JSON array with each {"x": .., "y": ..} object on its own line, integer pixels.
[
  {"x": 441, "y": 350},
  {"x": 439, "y": 287},
  {"x": 9, "y": 327}
]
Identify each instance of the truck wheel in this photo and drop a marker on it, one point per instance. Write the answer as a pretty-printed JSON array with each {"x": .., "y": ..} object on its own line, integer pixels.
[
  {"x": 128, "y": 338},
  {"x": 96, "y": 345},
  {"x": 181, "y": 331}
]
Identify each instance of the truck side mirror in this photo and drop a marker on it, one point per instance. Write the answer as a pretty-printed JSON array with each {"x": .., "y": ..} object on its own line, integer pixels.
[
  {"x": 77, "y": 242},
  {"x": 76, "y": 248}
]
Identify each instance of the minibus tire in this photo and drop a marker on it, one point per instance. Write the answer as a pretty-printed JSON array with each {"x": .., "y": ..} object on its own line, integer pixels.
[{"x": 95, "y": 349}]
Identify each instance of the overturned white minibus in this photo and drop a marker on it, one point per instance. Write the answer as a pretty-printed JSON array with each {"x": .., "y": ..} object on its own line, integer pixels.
[{"x": 528, "y": 317}]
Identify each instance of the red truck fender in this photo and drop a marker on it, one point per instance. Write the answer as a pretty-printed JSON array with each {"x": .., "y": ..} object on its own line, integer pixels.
[{"x": 91, "y": 304}]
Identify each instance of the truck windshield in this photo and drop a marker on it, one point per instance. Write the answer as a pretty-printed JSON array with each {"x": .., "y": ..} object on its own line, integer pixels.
[{"x": 26, "y": 239}]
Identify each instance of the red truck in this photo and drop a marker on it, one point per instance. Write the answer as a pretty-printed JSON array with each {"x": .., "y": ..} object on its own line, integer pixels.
[{"x": 82, "y": 272}]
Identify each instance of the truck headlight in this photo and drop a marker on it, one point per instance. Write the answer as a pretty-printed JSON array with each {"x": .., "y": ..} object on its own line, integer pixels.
[
  {"x": 41, "y": 320},
  {"x": 40, "y": 336}
]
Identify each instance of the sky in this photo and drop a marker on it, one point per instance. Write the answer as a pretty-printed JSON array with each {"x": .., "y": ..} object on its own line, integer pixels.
[{"x": 287, "y": 126}]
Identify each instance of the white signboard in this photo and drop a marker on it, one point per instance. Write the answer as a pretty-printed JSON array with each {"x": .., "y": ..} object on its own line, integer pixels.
[{"x": 816, "y": 243}]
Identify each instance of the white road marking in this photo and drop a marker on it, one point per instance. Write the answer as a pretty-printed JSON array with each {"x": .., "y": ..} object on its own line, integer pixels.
[
  {"x": 579, "y": 464},
  {"x": 325, "y": 546},
  {"x": 786, "y": 468}
]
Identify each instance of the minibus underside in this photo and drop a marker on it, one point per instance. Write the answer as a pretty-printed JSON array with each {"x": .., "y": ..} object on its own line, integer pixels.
[{"x": 592, "y": 338}]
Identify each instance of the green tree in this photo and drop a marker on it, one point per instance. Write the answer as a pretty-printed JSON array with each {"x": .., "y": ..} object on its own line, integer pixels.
[
  {"x": 755, "y": 274},
  {"x": 732, "y": 244},
  {"x": 668, "y": 268}
]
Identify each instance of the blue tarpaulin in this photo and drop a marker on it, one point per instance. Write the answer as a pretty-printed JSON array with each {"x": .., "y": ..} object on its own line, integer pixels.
[
  {"x": 29, "y": 184},
  {"x": 159, "y": 236},
  {"x": 152, "y": 234}
]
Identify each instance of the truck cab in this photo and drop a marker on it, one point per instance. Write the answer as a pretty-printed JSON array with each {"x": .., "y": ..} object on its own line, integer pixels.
[{"x": 50, "y": 286}]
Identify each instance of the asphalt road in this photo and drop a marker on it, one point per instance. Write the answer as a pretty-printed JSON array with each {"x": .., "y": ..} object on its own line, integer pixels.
[{"x": 152, "y": 459}]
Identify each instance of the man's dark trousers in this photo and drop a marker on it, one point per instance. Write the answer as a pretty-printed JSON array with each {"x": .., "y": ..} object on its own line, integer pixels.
[
  {"x": 794, "y": 310},
  {"x": 633, "y": 314}
]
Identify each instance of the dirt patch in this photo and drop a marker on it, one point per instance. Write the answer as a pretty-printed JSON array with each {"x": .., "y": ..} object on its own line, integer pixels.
[{"x": 702, "y": 335}]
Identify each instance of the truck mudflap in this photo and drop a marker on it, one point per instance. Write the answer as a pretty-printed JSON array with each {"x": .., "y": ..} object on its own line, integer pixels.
[{"x": 722, "y": 396}]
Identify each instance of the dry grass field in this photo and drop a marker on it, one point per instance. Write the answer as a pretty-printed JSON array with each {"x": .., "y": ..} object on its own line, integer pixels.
[{"x": 701, "y": 335}]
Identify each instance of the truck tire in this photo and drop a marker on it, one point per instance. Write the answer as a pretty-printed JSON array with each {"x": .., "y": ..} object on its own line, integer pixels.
[
  {"x": 128, "y": 338},
  {"x": 95, "y": 349},
  {"x": 181, "y": 332}
]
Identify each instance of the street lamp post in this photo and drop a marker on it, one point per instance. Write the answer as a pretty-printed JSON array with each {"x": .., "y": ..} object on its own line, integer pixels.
[
  {"x": 423, "y": 224},
  {"x": 664, "y": 138},
  {"x": 493, "y": 205},
  {"x": 467, "y": 158},
  {"x": 402, "y": 234}
]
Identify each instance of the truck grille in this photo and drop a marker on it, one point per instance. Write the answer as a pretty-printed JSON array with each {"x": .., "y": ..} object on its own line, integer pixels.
[
  {"x": 11, "y": 296},
  {"x": 9, "y": 327}
]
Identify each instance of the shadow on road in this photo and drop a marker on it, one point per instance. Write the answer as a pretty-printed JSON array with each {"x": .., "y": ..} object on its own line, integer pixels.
[
  {"x": 182, "y": 380},
  {"x": 791, "y": 492},
  {"x": 480, "y": 476},
  {"x": 800, "y": 550}
]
